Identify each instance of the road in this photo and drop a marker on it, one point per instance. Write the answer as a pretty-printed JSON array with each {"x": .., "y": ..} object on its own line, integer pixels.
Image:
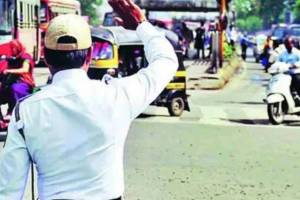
[{"x": 223, "y": 149}]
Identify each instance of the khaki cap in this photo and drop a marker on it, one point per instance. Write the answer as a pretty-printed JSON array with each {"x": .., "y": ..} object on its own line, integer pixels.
[{"x": 68, "y": 25}]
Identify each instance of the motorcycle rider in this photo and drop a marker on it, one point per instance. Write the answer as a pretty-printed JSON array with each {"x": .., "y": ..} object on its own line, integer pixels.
[
  {"x": 291, "y": 55},
  {"x": 18, "y": 75}
]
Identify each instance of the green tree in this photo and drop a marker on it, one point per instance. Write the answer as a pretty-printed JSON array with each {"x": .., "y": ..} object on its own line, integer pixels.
[
  {"x": 89, "y": 9},
  {"x": 296, "y": 10},
  {"x": 269, "y": 11},
  {"x": 250, "y": 24}
]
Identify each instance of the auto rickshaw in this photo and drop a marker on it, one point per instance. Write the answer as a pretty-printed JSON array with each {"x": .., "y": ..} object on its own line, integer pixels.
[{"x": 119, "y": 52}]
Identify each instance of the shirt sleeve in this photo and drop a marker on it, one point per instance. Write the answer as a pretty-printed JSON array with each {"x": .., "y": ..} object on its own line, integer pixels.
[
  {"x": 143, "y": 87},
  {"x": 14, "y": 165}
]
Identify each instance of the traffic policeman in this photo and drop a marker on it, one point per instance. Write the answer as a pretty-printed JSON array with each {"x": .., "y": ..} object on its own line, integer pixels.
[{"x": 74, "y": 130}]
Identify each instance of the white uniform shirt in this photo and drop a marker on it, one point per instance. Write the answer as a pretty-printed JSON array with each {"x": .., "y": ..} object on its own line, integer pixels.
[{"x": 76, "y": 128}]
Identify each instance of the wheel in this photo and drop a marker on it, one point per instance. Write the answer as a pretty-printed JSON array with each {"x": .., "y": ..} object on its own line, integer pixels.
[
  {"x": 176, "y": 106},
  {"x": 275, "y": 113}
]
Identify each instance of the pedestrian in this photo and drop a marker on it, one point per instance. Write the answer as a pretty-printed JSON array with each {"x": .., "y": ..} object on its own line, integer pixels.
[
  {"x": 74, "y": 129},
  {"x": 200, "y": 41},
  {"x": 188, "y": 38},
  {"x": 265, "y": 56},
  {"x": 233, "y": 36},
  {"x": 244, "y": 45},
  {"x": 210, "y": 37}
]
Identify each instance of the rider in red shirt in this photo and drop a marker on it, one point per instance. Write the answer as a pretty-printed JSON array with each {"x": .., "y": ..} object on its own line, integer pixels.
[{"x": 20, "y": 69}]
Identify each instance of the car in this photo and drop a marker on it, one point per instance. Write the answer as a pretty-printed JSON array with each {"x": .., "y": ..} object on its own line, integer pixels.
[
  {"x": 294, "y": 32},
  {"x": 279, "y": 32}
]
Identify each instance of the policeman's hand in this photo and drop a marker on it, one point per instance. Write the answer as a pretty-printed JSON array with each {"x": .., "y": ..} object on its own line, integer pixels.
[{"x": 130, "y": 15}]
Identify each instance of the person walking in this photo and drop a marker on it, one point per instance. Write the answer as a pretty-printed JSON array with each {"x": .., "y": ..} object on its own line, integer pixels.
[
  {"x": 188, "y": 38},
  {"x": 68, "y": 129},
  {"x": 232, "y": 36},
  {"x": 265, "y": 56},
  {"x": 244, "y": 45},
  {"x": 200, "y": 41}
]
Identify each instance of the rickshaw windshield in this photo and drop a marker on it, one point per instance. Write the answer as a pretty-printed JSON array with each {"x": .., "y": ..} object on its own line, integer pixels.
[{"x": 102, "y": 50}]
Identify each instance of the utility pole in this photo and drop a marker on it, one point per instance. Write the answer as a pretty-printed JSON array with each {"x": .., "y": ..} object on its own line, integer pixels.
[
  {"x": 223, "y": 16},
  {"x": 221, "y": 28}
]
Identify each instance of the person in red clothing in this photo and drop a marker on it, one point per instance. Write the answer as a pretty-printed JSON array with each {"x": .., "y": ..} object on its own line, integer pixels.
[
  {"x": 268, "y": 46},
  {"x": 20, "y": 72}
]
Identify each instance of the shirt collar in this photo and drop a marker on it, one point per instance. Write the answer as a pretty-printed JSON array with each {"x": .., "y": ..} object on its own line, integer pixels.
[{"x": 70, "y": 74}]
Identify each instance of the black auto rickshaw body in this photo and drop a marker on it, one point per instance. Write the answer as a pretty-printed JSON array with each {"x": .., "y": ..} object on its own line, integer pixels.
[{"x": 120, "y": 52}]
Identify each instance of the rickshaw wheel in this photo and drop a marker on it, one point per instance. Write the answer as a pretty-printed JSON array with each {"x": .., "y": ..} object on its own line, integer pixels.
[{"x": 176, "y": 106}]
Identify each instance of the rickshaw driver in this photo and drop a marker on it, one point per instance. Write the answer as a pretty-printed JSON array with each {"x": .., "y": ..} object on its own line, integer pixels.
[{"x": 68, "y": 129}]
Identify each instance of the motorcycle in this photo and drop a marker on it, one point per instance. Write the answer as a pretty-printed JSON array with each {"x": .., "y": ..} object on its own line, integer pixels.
[{"x": 280, "y": 100}]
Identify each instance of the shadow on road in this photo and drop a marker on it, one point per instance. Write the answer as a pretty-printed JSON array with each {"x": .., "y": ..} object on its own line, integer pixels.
[
  {"x": 287, "y": 123},
  {"x": 292, "y": 123},
  {"x": 144, "y": 116},
  {"x": 244, "y": 103},
  {"x": 249, "y": 121}
]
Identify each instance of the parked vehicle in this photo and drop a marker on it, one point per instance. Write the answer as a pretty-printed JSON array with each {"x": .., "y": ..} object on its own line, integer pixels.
[
  {"x": 280, "y": 101},
  {"x": 294, "y": 32},
  {"x": 279, "y": 32},
  {"x": 118, "y": 49}
]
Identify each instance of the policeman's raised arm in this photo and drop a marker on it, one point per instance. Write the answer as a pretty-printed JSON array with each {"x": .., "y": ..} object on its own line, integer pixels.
[
  {"x": 130, "y": 15},
  {"x": 142, "y": 88}
]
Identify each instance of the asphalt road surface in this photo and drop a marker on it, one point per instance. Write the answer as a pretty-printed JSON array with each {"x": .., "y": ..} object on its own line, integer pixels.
[{"x": 224, "y": 149}]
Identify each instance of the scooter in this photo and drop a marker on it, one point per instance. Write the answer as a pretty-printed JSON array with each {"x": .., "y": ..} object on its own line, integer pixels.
[{"x": 280, "y": 100}]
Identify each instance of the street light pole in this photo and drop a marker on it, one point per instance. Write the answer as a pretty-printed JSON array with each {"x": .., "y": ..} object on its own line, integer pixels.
[
  {"x": 223, "y": 6},
  {"x": 221, "y": 31}
]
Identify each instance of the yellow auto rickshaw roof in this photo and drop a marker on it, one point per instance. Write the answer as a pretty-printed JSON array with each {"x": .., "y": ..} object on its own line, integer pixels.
[
  {"x": 116, "y": 35},
  {"x": 124, "y": 37}
]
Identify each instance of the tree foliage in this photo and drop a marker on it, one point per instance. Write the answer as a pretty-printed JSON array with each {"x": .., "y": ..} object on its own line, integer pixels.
[
  {"x": 297, "y": 10},
  {"x": 250, "y": 24},
  {"x": 255, "y": 14},
  {"x": 89, "y": 8}
]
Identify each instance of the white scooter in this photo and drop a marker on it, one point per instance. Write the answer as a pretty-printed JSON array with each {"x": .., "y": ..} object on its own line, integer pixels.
[{"x": 279, "y": 99}]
